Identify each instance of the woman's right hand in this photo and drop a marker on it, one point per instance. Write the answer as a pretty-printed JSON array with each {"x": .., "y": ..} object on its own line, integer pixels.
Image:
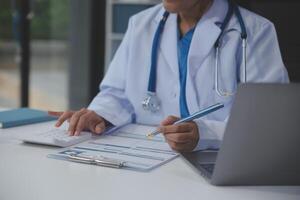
[{"x": 83, "y": 119}]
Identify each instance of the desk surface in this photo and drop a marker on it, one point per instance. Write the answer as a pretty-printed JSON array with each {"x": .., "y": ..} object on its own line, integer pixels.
[{"x": 26, "y": 173}]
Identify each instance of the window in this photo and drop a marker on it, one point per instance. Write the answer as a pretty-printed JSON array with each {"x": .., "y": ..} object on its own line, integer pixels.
[
  {"x": 9, "y": 56},
  {"x": 49, "y": 54}
]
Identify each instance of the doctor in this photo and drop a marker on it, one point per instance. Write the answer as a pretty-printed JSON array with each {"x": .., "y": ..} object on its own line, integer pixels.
[{"x": 177, "y": 58}]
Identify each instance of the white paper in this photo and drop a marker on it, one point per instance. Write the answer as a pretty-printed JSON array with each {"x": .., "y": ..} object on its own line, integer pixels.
[{"x": 128, "y": 144}]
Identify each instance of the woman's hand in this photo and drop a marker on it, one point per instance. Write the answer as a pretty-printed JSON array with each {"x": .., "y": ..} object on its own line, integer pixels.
[
  {"x": 83, "y": 119},
  {"x": 181, "y": 137}
]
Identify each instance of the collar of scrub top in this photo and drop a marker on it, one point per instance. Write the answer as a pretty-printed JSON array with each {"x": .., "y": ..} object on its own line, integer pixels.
[
  {"x": 232, "y": 9},
  {"x": 183, "y": 48}
]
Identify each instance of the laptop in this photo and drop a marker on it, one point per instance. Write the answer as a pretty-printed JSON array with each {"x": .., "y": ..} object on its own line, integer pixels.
[{"x": 261, "y": 144}]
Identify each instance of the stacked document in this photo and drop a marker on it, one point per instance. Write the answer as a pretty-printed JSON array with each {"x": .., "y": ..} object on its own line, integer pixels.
[
  {"x": 127, "y": 147},
  {"x": 23, "y": 116}
]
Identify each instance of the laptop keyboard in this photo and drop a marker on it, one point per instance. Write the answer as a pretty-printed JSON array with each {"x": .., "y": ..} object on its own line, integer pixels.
[{"x": 208, "y": 167}]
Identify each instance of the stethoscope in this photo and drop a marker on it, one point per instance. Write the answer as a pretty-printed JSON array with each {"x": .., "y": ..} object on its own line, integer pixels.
[{"x": 152, "y": 102}]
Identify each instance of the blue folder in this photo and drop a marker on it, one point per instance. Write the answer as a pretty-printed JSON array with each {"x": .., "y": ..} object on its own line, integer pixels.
[{"x": 23, "y": 116}]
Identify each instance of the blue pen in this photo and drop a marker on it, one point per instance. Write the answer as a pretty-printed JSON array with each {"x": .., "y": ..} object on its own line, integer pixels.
[{"x": 196, "y": 115}]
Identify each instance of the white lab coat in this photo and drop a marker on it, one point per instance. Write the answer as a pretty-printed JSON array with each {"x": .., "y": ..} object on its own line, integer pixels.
[{"x": 124, "y": 87}]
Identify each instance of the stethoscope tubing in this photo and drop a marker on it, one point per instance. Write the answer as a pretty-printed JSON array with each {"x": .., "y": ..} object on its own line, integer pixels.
[
  {"x": 244, "y": 68},
  {"x": 232, "y": 9}
]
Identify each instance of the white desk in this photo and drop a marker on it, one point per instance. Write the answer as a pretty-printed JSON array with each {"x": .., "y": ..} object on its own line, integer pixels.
[{"x": 27, "y": 174}]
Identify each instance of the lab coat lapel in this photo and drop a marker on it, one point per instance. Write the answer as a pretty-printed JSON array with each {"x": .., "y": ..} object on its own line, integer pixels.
[
  {"x": 168, "y": 44},
  {"x": 206, "y": 34},
  {"x": 204, "y": 38}
]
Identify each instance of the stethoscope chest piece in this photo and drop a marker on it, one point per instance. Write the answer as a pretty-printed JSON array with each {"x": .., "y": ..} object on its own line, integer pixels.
[{"x": 151, "y": 103}]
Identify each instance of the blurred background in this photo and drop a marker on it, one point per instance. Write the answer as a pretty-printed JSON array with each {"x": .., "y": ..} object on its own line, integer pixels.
[{"x": 54, "y": 53}]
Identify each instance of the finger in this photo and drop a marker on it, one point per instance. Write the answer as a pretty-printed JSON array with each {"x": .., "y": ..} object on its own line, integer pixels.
[
  {"x": 181, "y": 147},
  {"x": 63, "y": 117},
  {"x": 74, "y": 120},
  {"x": 94, "y": 123},
  {"x": 176, "y": 128},
  {"x": 54, "y": 113},
  {"x": 180, "y": 137},
  {"x": 100, "y": 128},
  {"x": 169, "y": 120},
  {"x": 82, "y": 123}
]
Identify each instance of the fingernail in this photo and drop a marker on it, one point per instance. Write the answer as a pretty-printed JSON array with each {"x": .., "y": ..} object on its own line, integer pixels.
[{"x": 98, "y": 130}]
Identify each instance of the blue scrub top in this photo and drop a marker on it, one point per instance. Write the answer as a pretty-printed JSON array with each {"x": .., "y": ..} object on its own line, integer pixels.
[{"x": 183, "y": 48}]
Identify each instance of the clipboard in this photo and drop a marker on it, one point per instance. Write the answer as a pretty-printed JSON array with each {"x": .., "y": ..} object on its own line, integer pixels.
[
  {"x": 102, "y": 161},
  {"x": 125, "y": 148}
]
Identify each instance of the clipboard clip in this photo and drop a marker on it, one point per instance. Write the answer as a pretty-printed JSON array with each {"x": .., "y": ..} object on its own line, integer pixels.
[{"x": 105, "y": 162}]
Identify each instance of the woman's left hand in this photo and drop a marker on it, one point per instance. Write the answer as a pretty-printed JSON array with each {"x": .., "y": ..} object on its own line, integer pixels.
[{"x": 181, "y": 137}]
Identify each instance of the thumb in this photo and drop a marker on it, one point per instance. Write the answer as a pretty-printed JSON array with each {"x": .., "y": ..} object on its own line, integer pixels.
[
  {"x": 99, "y": 128},
  {"x": 54, "y": 113},
  {"x": 169, "y": 120}
]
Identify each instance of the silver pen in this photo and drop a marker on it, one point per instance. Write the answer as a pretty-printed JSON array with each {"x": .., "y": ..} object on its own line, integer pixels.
[{"x": 196, "y": 115}]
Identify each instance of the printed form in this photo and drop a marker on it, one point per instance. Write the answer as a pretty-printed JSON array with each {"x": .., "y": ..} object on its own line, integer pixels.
[{"x": 128, "y": 145}]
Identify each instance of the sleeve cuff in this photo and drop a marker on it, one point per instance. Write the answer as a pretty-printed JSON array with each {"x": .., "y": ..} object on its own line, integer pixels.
[
  {"x": 116, "y": 120},
  {"x": 211, "y": 134},
  {"x": 112, "y": 105}
]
